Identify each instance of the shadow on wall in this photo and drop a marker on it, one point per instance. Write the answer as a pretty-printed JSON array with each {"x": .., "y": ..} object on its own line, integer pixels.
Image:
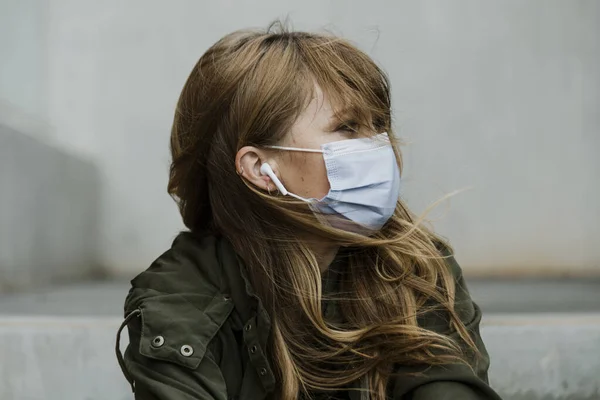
[{"x": 49, "y": 214}]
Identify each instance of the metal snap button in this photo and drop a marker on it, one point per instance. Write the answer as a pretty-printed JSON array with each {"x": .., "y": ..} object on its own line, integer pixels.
[
  {"x": 253, "y": 349},
  {"x": 248, "y": 327},
  {"x": 186, "y": 350},
  {"x": 158, "y": 341},
  {"x": 263, "y": 371}
]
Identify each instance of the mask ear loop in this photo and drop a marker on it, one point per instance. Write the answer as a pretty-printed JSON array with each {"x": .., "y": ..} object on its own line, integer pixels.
[{"x": 296, "y": 149}]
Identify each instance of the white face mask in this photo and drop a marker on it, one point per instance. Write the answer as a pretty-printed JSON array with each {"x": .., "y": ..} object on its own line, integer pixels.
[{"x": 364, "y": 181}]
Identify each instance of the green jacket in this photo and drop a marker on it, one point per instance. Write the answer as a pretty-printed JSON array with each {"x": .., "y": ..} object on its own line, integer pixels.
[{"x": 198, "y": 331}]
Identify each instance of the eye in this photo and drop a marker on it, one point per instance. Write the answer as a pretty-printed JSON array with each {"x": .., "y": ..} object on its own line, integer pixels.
[{"x": 351, "y": 127}]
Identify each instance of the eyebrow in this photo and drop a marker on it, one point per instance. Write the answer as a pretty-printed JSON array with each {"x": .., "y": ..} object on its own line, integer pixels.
[{"x": 343, "y": 112}]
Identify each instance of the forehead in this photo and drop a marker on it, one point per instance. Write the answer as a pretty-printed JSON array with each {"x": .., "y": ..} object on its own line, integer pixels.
[{"x": 319, "y": 110}]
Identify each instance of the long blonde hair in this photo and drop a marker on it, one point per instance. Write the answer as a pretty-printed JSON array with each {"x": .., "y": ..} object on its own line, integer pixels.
[{"x": 248, "y": 89}]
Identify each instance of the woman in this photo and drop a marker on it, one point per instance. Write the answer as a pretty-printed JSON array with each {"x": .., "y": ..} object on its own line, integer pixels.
[{"x": 303, "y": 275}]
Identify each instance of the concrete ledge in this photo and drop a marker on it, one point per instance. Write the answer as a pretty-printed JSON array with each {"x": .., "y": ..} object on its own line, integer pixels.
[
  {"x": 105, "y": 298},
  {"x": 60, "y": 359},
  {"x": 48, "y": 213},
  {"x": 534, "y": 357},
  {"x": 551, "y": 356}
]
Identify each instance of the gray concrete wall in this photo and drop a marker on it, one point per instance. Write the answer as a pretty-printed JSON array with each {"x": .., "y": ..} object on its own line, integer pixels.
[
  {"x": 23, "y": 56},
  {"x": 48, "y": 213},
  {"x": 500, "y": 96}
]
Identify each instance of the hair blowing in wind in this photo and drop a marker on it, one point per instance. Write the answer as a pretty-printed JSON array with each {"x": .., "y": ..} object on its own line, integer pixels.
[{"x": 248, "y": 89}]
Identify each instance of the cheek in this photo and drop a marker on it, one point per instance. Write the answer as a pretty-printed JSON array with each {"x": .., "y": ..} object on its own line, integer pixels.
[
  {"x": 318, "y": 186},
  {"x": 307, "y": 176}
]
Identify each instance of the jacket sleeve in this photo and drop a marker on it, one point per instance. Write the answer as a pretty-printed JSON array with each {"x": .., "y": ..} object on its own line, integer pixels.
[
  {"x": 454, "y": 381},
  {"x": 171, "y": 351}
]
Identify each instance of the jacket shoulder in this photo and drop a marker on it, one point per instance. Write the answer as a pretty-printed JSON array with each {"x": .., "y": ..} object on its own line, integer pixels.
[
  {"x": 191, "y": 265},
  {"x": 179, "y": 302}
]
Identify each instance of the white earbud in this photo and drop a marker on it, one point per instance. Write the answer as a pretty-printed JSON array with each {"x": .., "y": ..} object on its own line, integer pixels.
[{"x": 265, "y": 169}]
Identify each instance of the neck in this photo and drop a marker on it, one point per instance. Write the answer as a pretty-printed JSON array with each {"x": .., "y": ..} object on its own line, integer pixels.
[{"x": 325, "y": 254}]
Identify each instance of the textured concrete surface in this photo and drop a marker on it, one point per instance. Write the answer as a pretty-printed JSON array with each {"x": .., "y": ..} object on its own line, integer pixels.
[
  {"x": 48, "y": 213},
  {"x": 551, "y": 356},
  {"x": 50, "y": 358},
  {"x": 58, "y": 344},
  {"x": 554, "y": 356}
]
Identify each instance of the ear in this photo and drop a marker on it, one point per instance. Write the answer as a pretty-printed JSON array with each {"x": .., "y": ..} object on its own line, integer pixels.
[{"x": 247, "y": 164}]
